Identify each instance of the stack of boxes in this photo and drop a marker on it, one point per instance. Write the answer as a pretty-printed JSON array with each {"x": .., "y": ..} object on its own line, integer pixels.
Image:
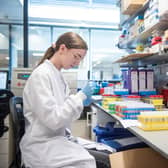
[
  {"x": 131, "y": 109},
  {"x": 139, "y": 81}
]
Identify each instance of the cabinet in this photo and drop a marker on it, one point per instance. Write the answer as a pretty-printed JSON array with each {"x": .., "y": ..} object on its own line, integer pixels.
[{"x": 80, "y": 128}]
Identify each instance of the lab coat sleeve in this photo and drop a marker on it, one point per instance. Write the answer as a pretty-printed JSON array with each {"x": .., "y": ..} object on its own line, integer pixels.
[{"x": 45, "y": 105}]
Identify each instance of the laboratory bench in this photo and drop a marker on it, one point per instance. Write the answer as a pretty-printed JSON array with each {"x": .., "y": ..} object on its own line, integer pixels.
[{"x": 158, "y": 140}]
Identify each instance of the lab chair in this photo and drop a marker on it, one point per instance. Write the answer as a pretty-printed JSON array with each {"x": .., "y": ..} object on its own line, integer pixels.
[
  {"x": 16, "y": 109},
  {"x": 101, "y": 157},
  {"x": 5, "y": 96}
]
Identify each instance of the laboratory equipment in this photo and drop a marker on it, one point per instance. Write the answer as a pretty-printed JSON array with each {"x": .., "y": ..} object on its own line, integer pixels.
[{"x": 19, "y": 78}]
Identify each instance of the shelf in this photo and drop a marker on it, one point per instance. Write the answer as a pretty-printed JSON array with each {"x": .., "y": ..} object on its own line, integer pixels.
[
  {"x": 155, "y": 59},
  {"x": 144, "y": 59},
  {"x": 160, "y": 25},
  {"x": 133, "y": 57}
]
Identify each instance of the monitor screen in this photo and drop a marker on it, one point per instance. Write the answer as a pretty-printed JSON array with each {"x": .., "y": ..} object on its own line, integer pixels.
[{"x": 3, "y": 79}]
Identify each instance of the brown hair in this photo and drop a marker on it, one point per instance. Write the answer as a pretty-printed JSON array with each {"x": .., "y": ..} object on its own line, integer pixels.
[{"x": 71, "y": 41}]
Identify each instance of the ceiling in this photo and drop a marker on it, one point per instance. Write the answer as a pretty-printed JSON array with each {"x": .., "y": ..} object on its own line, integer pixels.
[
  {"x": 74, "y": 2},
  {"x": 12, "y": 10}
]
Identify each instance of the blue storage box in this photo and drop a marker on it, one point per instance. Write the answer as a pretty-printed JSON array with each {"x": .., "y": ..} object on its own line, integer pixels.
[
  {"x": 110, "y": 131},
  {"x": 121, "y": 92},
  {"x": 147, "y": 93},
  {"x": 104, "y": 84},
  {"x": 123, "y": 143}
]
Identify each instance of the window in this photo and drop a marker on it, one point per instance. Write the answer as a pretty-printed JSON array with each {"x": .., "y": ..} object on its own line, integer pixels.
[
  {"x": 104, "y": 52},
  {"x": 85, "y": 13},
  {"x": 17, "y": 46},
  {"x": 39, "y": 41},
  {"x": 4, "y": 46}
]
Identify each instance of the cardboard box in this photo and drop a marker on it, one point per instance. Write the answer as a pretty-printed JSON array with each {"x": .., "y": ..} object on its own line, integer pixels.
[
  {"x": 129, "y": 7},
  {"x": 138, "y": 158}
]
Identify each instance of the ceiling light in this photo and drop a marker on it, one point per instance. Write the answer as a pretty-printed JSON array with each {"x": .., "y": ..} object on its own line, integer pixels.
[
  {"x": 21, "y": 1},
  {"x": 7, "y": 58},
  {"x": 2, "y": 35},
  {"x": 84, "y": 14}
]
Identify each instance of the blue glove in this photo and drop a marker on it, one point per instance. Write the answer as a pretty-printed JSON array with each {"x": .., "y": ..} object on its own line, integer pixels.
[
  {"x": 88, "y": 90},
  {"x": 87, "y": 102}
]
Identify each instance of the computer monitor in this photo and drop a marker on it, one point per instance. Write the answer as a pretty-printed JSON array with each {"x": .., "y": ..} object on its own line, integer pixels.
[{"x": 3, "y": 79}]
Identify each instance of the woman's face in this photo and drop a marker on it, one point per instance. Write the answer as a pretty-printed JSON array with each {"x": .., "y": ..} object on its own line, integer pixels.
[{"x": 72, "y": 57}]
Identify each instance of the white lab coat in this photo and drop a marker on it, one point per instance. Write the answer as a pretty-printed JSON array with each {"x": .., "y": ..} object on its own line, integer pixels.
[{"x": 48, "y": 111}]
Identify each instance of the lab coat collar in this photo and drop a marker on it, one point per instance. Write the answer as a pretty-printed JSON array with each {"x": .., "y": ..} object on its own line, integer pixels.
[
  {"x": 60, "y": 74},
  {"x": 51, "y": 64}
]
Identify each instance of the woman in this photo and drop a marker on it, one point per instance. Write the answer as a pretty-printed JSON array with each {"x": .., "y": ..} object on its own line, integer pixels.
[{"x": 49, "y": 109}]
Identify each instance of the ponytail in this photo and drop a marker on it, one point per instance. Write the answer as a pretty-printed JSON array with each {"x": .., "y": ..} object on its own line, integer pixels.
[
  {"x": 48, "y": 54},
  {"x": 70, "y": 39}
]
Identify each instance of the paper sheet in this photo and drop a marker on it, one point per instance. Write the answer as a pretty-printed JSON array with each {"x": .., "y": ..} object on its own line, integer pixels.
[
  {"x": 94, "y": 145},
  {"x": 129, "y": 123}
]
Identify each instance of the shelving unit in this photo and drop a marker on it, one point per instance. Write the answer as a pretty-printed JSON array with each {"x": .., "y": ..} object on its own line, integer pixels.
[
  {"x": 144, "y": 59},
  {"x": 155, "y": 139},
  {"x": 161, "y": 25},
  {"x": 155, "y": 59},
  {"x": 131, "y": 42}
]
